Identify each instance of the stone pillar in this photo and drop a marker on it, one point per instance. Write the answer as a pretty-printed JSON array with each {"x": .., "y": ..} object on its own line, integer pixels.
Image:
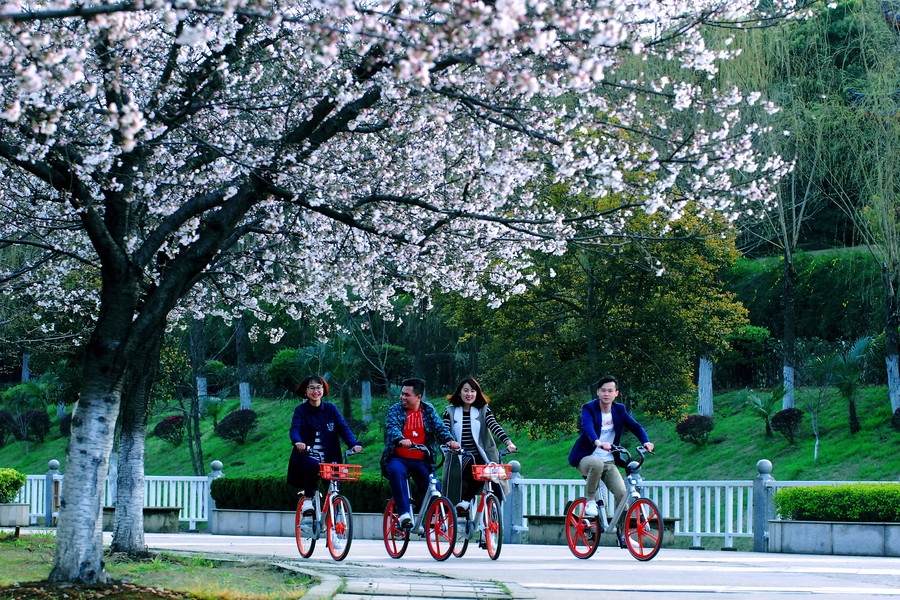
[
  {"x": 514, "y": 507},
  {"x": 216, "y": 472},
  {"x": 51, "y": 493},
  {"x": 763, "y": 505}
]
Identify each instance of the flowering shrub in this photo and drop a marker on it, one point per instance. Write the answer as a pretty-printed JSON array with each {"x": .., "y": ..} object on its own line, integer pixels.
[
  {"x": 237, "y": 425},
  {"x": 695, "y": 429},
  {"x": 170, "y": 429},
  {"x": 787, "y": 422}
]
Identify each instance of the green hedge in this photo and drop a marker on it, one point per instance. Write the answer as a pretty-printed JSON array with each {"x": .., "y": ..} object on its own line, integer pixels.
[
  {"x": 271, "y": 492},
  {"x": 855, "y": 502}
]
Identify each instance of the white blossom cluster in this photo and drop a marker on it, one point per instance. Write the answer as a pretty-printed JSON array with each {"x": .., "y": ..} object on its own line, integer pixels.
[{"x": 352, "y": 149}]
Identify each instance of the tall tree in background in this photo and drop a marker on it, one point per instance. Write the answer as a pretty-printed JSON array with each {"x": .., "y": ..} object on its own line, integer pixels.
[{"x": 297, "y": 154}]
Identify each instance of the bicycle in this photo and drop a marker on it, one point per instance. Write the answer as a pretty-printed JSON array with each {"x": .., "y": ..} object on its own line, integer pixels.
[
  {"x": 337, "y": 517},
  {"x": 487, "y": 524},
  {"x": 436, "y": 520},
  {"x": 643, "y": 524}
]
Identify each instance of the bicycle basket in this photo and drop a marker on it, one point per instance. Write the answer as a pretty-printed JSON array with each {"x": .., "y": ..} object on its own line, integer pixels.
[
  {"x": 339, "y": 472},
  {"x": 491, "y": 472}
]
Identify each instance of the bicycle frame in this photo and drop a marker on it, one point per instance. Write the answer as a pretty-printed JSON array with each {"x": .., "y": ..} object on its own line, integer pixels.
[
  {"x": 435, "y": 520},
  {"x": 486, "y": 525},
  {"x": 336, "y": 517},
  {"x": 636, "y": 517}
]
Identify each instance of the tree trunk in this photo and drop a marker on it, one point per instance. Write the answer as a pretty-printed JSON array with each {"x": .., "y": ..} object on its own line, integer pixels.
[
  {"x": 705, "y": 387},
  {"x": 128, "y": 532},
  {"x": 891, "y": 323},
  {"x": 240, "y": 346},
  {"x": 198, "y": 365},
  {"x": 419, "y": 355},
  {"x": 79, "y": 543},
  {"x": 789, "y": 336}
]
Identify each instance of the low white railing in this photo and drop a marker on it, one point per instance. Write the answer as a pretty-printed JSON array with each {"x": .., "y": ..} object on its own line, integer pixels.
[{"x": 190, "y": 494}]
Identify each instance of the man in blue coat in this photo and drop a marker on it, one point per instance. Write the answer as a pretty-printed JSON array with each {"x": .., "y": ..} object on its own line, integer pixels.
[{"x": 602, "y": 422}]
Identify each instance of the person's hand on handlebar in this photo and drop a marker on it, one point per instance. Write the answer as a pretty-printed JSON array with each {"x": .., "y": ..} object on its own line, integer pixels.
[
  {"x": 356, "y": 449},
  {"x": 453, "y": 445},
  {"x": 648, "y": 446},
  {"x": 300, "y": 446},
  {"x": 603, "y": 445},
  {"x": 510, "y": 447}
]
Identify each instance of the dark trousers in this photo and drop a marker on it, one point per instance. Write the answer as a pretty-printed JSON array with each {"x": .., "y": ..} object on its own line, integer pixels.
[{"x": 398, "y": 470}]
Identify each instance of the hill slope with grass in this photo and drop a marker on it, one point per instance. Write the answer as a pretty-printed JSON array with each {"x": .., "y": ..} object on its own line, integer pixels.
[{"x": 737, "y": 442}]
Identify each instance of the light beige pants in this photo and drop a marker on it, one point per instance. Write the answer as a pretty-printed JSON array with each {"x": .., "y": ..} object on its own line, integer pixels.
[{"x": 596, "y": 470}]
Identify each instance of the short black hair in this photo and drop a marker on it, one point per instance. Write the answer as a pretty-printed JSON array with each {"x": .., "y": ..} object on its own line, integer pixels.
[
  {"x": 606, "y": 379},
  {"x": 417, "y": 385}
]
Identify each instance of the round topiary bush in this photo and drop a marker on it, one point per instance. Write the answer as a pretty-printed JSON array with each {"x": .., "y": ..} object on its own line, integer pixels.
[
  {"x": 171, "y": 429},
  {"x": 787, "y": 422},
  {"x": 895, "y": 420},
  {"x": 695, "y": 429},
  {"x": 65, "y": 425},
  {"x": 38, "y": 424},
  {"x": 11, "y": 481},
  {"x": 237, "y": 426}
]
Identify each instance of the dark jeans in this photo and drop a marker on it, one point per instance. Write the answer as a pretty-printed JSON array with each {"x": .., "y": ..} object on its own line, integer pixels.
[
  {"x": 398, "y": 470},
  {"x": 308, "y": 470}
]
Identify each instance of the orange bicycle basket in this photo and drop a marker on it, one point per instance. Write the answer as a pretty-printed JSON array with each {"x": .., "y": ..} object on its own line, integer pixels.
[
  {"x": 339, "y": 472},
  {"x": 490, "y": 472}
]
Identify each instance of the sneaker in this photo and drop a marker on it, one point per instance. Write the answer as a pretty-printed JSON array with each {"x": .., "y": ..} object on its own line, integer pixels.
[
  {"x": 463, "y": 507},
  {"x": 406, "y": 519},
  {"x": 308, "y": 507},
  {"x": 621, "y": 537},
  {"x": 590, "y": 509}
]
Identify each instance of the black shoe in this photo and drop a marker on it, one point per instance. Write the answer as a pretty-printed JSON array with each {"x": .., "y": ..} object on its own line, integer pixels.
[{"x": 621, "y": 538}]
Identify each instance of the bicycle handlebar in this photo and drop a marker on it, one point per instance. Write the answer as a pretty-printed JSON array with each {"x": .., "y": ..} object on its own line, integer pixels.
[{"x": 641, "y": 450}]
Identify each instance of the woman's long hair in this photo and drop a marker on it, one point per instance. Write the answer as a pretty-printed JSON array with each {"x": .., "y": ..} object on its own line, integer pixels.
[{"x": 456, "y": 397}]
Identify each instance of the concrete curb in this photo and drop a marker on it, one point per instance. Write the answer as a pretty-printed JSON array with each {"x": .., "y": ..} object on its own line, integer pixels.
[{"x": 327, "y": 587}]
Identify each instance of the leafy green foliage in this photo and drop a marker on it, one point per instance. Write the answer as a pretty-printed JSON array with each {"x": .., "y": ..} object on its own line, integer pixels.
[
  {"x": 787, "y": 423},
  {"x": 895, "y": 420},
  {"x": 38, "y": 424},
  {"x": 761, "y": 406},
  {"x": 745, "y": 361},
  {"x": 237, "y": 425},
  {"x": 11, "y": 481},
  {"x": 695, "y": 429},
  {"x": 857, "y": 502},
  {"x": 171, "y": 429},
  {"x": 271, "y": 492},
  {"x": 65, "y": 425}
]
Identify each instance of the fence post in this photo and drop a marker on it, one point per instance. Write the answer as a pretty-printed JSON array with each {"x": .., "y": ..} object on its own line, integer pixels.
[
  {"x": 210, "y": 503},
  {"x": 514, "y": 506},
  {"x": 50, "y": 491},
  {"x": 763, "y": 505}
]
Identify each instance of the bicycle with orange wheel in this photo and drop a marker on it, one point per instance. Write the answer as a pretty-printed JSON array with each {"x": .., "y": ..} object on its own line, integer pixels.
[
  {"x": 334, "y": 516},
  {"x": 638, "y": 521},
  {"x": 486, "y": 525}
]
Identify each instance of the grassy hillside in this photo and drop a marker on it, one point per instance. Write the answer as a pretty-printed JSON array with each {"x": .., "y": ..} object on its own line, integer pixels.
[{"x": 736, "y": 444}]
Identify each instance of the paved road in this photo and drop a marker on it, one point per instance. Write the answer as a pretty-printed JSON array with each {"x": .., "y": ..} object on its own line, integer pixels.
[{"x": 552, "y": 573}]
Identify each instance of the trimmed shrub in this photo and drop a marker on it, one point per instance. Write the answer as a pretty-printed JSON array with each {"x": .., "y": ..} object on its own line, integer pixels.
[
  {"x": 787, "y": 422},
  {"x": 11, "y": 481},
  {"x": 271, "y": 492},
  {"x": 236, "y": 426},
  {"x": 854, "y": 502},
  {"x": 895, "y": 421},
  {"x": 171, "y": 429},
  {"x": 65, "y": 425},
  {"x": 695, "y": 429}
]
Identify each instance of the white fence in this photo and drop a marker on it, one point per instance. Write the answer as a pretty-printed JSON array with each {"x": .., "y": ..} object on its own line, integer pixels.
[
  {"x": 700, "y": 509},
  {"x": 191, "y": 494}
]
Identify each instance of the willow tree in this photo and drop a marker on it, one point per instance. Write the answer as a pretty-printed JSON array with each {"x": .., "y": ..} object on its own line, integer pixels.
[{"x": 297, "y": 153}]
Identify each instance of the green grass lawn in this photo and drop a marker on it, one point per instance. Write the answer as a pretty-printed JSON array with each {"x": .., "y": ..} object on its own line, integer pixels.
[{"x": 736, "y": 444}]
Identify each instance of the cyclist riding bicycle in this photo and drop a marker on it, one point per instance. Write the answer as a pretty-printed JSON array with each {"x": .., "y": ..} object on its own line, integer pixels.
[
  {"x": 411, "y": 421},
  {"x": 316, "y": 425},
  {"x": 474, "y": 426},
  {"x": 602, "y": 423}
]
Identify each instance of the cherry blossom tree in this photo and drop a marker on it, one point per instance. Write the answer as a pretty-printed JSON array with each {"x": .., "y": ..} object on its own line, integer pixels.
[{"x": 302, "y": 153}]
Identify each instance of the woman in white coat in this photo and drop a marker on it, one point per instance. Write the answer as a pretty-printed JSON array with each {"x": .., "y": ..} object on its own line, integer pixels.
[{"x": 474, "y": 426}]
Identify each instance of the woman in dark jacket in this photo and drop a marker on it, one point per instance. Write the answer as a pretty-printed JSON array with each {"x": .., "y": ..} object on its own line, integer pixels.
[{"x": 316, "y": 425}]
